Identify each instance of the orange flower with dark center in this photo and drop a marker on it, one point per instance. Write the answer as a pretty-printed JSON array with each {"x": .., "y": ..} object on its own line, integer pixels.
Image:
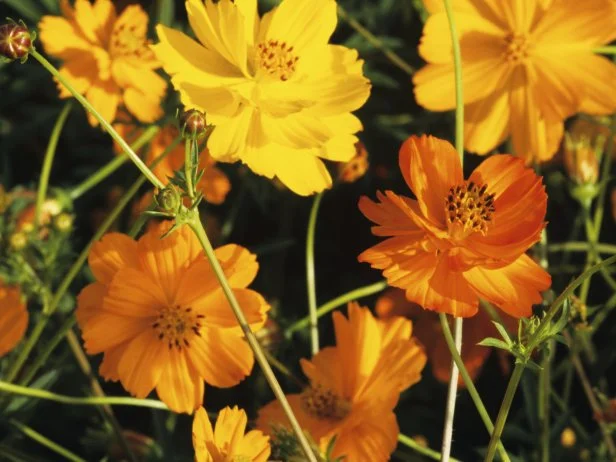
[
  {"x": 13, "y": 318},
  {"x": 158, "y": 314},
  {"x": 461, "y": 239}
]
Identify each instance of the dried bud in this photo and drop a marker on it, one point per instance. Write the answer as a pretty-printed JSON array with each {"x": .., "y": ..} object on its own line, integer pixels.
[
  {"x": 568, "y": 438},
  {"x": 18, "y": 241},
  {"x": 193, "y": 123},
  {"x": 63, "y": 222},
  {"x": 354, "y": 169},
  {"x": 15, "y": 41}
]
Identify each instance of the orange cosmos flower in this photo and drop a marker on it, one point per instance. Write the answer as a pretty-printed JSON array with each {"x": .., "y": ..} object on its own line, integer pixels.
[
  {"x": 428, "y": 331},
  {"x": 355, "y": 386},
  {"x": 106, "y": 57},
  {"x": 214, "y": 184},
  {"x": 527, "y": 65},
  {"x": 461, "y": 239},
  {"x": 227, "y": 441},
  {"x": 13, "y": 318},
  {"x": 158, "y": 314}
]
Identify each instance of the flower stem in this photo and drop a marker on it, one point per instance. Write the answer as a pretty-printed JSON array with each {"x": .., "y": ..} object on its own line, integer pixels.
[
  {"x": 85, "y": 401},
  {"x": 335, "y": 303},
  {"x": 391, "y": 55},
  {"x": 44, "y": 441},
  {"x": 189, "y": 147},
  {"x": 196, "y": 226},
  {"x": 310, "y": 275},
  {"x": 545, "y": 387},
  {"x": 452, "y": 393},
  {"x": 504, "y": 409},
  {"x": 106, "y": 125},
  {"x": 415, "y": 446},
  {"x": 581, "y": 247},
  {"x": 41, "y": 192},
  {"x": 112, "y": 165}
]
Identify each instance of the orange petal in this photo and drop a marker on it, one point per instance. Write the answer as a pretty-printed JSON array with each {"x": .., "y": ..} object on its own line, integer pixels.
[
  {"x": 89, "y": 302},
  {"x": 239, "y": 264},
  {"x": 390, "y": 218},
  {"x": 486, "y": 123},
  {"x": 104, "y": 97},
  {"x": 179, "y": 386},
  {"x": 106, "y": 330},
  {"x": 513, "y": 288},
  {"x": 142, "y": 363},
  {"x": 109, "y": 365},
  {"x": 112, "y": 253},
  {"x": 202, "y": 433},
  {"x": 13, "y": 319},
  {"x": 132, "y": 293},
  {"x": 229, "y": 429}
]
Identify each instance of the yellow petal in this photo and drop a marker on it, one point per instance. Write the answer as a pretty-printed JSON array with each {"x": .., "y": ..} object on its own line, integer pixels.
[
  {"x": 142, "y": 106},
  {"x": 142, "y": 363},
  {"x": 105, "y": 97},
  {"x": 202, "y": 433},
  {"x": 486, "y": 123},
  {"x": 179, "y": 385},
  {"x": 61, "y": 38}
]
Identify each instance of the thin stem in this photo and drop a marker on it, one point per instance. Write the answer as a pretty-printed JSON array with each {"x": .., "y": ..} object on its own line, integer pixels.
[
  {"x": 470, "y": 386},
  {"x": 391, "y": 55},
  {"x": 85, "y": 401},
  {"x": 415, "y": 446},
  {"x": 189, "y": 146},
  {"x": 452, "y": 392},
  {"x": 607, "y": 50},
  {"x": 335, "y": 303},
  {"x": 48, "y": 160},
  {"x": 310, "y": 275},
  {"x": 582, "y": 247},
  {"x": 44, "y": 441},
  {"x": 106, "y": 125},
  {"x": 504, "y": 409},
  {"x": 545, "y": 387},
  {"x": 113, "y": 165},
  {"x": 196, "y": 226}
]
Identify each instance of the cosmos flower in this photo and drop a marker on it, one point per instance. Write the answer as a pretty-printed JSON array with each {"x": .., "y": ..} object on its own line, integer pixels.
[
  {"x": 527, "y": 65},
  {"x": 279, "y": 95},
  {"x": 106, "y": 57},
  {"x": 13, "y": 318},
  {"x": 461, "y": 239}
]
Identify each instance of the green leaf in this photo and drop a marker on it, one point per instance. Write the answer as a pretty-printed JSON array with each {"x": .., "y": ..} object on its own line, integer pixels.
[
  {"x": 27, "y": 9},
  {"x": 495, "y": 343},
  {"x": 501, "y": 329},
  {"x": 165, "y": 12}
]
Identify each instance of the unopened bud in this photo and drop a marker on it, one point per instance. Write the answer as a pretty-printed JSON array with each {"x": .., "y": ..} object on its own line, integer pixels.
[
  {"x": 193, "y": 123},
  {"x": 63, "y": 222},
  {"x": 583, "y": 147},
  {"x": 15, "y": 41},
  {"x": 568, "y": 438},
  {"x": 354, "y": 169},
  {"x": 169, "y": 199},
  {"x": 18, "y": 240}
]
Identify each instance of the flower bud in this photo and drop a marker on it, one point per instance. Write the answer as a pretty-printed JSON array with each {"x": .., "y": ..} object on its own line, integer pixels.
[
  {"x": 568, "y": 438},
  {"x": 15, "y": 41},
  {"x": 583, "y": 147},
  {"x": 18, "y": 241},
  {"x": 354, "y": 169},
  {"x": 193, "y": 123},
  {"x": 169, "y": 199},
  {"x": 63, "y": 222}
]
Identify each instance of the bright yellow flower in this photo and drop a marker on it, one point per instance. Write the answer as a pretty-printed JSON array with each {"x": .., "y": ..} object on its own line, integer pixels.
[
  {"x": 355, "y": 386},
  {"x": 527, "y": 65},
  {"x": 279, "y": 95},
  {"x": 158, "y": 314},
  {"x": 227, "y": 441},
  {"x": 106, "y": 57},
  {"x": 13, "y": 318}
]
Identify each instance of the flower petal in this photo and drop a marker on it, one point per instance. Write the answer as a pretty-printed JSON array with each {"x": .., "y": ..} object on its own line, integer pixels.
[
  {"x": 89, "y": 302},
  {"x": 486, "y": 124},
  {"x": 391, "y": 220},
  {"x": 62, "y": 38},
  {"x": 104, "y": 97},
  {"x": 98, "y": 336},
  {"x": 202, "y": 432},
  {"x": 13, "y": 319},
  {"x": 229, "y": 429},
  {"x": 179, "y": 385},
  {"x": 112, "y": 253},
  {"x": 133, "y": 293},
  {"x": 142, "y": 363}
]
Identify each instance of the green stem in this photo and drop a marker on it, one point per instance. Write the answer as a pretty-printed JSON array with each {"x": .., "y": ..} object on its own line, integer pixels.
[
  {"x": 504, "y": 409},
  {"x": 196, "y": 226},
  {"x": 188, "y": 166},
  {"x": 106, "y": 125},
  {"x": 392, "y": 56},
  {"x": 545, "y": 387},
  {"x": 581, "y": 247},
  {"x": 85, "y": 401},
  {"x": 335, "y": 303},
  {"x": 310, "y": 275},
  {"x": 470, "y": 386},
  {"x": 415, "y": 446},
  {"x": 113, "y": 165},
  {"x": 44, "y": 441},
  {"x": 606, "y": 50},
  {"x": 48, "y": 160}
]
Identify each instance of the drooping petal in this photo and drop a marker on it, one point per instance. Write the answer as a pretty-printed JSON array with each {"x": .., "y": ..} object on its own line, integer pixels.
[
  {"x": 179, "y": 386},
  {"x": 112, "y": 253}
]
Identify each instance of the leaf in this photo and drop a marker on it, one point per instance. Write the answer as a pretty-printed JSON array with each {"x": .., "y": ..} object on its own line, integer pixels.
[
  {"x": 27, "y": 9},
  {"x": 495, "y": 343},
  {"x": 165, "y": 12},
  {"x": 501, "y": 329}
]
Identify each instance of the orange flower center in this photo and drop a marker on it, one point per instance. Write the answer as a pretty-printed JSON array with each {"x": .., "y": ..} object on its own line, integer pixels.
[
  {"x": 323, "y": 403},
  {"x": 468, "y": 209},
  {"x": 176, "y": 326},
  {"x": 516, "y": 48},
  {"x": 127, "y": 41},
  {"x": 276, "y": 59}
]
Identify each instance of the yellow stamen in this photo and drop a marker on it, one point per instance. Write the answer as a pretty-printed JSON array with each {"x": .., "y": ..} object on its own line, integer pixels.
[
  {"x": 323, "y": 403},
  {"x": 176, "y": 326},
  {"x": 468, "y": 209}
]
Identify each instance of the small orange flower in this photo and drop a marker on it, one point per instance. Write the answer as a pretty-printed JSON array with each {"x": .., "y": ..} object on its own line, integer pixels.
[
  {"x": 158, "y": 314},
  {"x": 354, "y": 169},
  {"x": 428, "y": 331},
  {"x": 461, "y": 239},
  {"x": 13, "y": 318},
  {"x": 106, "y": 57},
  {"x": 227, "y": 441},
  {"x": 355, "y": 386}
]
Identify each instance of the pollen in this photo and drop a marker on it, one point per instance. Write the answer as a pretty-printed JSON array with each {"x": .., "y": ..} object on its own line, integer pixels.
[
  {"x": 468, "y": 209},
  {"x": 516, "y": 48},
  {"x": 276, "y": 59},
  {"x": 127, "y": 40},
  {"x": 177, "y": 326},
  {"x": 323, "y": 403}
]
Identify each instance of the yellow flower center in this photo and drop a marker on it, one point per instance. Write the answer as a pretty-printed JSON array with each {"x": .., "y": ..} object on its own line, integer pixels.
[
  {"x": 323, "y": 403},
  {"x": 468, "y": 209},
  {"x": 126, "y": 40},
  {"x": 276, "y": 59},
  {"x": 176, "y": 326},
  {"x": 516, "y": 48}
]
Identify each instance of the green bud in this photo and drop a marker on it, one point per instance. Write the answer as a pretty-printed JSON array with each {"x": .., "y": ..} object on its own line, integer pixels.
[{"x": 169, "y": 199}]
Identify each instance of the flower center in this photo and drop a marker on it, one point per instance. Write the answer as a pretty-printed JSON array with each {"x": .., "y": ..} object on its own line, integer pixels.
[
  {"x": 176, "y": 326},
  {"x": 323, "y": 403},
  {"x": 468, "y": 209},
  {"x": 126, "y": 40},
  {"x": 276, "y": 59},
  {"x": 516, "y": 48}
]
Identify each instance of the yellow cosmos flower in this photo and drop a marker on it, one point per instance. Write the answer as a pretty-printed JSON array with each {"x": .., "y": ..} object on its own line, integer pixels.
[
  {"x": 527, "y": 65},
  {"x": 227, "y": 442},
  {"x": 355, "y": 386},
  {"x": 158, "y": 314},
  {"x": 106, "y": 57},
  {"x": 13, "y": 318},
  {"x": 279, "y": 95}
]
